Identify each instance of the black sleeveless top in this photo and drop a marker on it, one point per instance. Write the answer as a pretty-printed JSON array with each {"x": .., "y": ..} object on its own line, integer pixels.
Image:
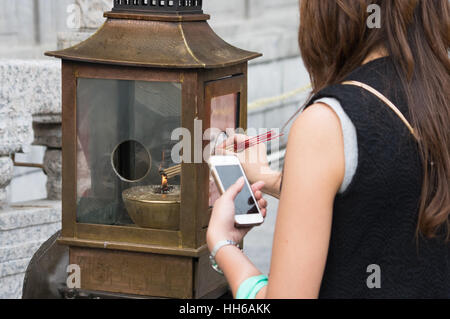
[{"x": 375, "y": 220}]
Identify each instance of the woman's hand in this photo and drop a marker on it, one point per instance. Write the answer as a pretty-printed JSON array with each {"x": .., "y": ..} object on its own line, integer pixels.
[
  {"x": 222, "y": 225},
  {"x": 255, "y": 164}
]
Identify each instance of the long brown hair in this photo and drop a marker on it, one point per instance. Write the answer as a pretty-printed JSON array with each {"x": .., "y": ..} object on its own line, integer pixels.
[{"x": 335, "y": 39}]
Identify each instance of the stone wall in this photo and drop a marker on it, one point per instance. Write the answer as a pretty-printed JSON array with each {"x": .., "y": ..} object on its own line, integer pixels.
[
  {"x": 15, "y": 121},
  {"x": 30, "y": 98},
  {"x": 28, "y": 27},
  {"x": 29, "y": 89}
]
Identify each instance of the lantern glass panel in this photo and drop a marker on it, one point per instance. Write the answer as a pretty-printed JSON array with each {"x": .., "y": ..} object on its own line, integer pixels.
[
  {"x": 224, "y": 120},
  {"x": 123, "y": 141}
]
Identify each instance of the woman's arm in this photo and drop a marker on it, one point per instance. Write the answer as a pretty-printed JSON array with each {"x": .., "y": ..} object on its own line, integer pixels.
[
  {"x": 314, "y": 171},
  {"x": 235, "y": 265}
]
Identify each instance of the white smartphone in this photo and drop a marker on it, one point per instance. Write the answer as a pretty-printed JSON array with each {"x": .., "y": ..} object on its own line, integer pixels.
[{"x": 226, "y": 170}]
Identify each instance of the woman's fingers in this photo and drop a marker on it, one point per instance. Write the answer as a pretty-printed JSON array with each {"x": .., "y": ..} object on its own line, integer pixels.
[
  {"x": 239, "y": 138},
  {"x": 262, "y": 203},
  {"x": 229, "y": 141},
  {"x": 263, "y": 207},
  {"x": 259, "y": 198},
  {"x": 258, "y": 186},
  {"x": 224, "y": 152},
  {"x": 222, "y": 149},
  {"x": 263, "y": 212},
  {"x": 235, "y": 139}
]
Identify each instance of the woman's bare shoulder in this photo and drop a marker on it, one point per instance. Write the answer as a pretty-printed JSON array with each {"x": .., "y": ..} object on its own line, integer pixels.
[
  {"x": 316, "y": 138},
  {"x": 318, "y": 120}
]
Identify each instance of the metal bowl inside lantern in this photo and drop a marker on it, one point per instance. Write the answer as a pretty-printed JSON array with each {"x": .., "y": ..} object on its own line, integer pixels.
[{"x": 153, "y": 207}]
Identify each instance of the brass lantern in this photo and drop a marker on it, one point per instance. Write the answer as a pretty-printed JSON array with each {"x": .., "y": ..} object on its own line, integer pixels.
[{"x": 153, "y": 67}]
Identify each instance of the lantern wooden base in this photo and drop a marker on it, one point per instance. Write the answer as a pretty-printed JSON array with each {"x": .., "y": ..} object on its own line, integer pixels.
[{"x": 147, "y": 274}]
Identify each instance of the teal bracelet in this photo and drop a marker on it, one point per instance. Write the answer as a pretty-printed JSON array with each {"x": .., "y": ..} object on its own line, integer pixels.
[{"x": 250, "y": 287}]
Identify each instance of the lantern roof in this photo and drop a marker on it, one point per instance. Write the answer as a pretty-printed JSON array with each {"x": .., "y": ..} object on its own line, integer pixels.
[{"x": 169, "y": 34}]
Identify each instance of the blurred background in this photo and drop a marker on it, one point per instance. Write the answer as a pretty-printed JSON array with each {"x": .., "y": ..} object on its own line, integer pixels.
[{"x": 30, "y": 106}]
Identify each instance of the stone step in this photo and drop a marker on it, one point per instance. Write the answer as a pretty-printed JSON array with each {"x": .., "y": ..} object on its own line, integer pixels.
[
  {"x": 20, "y": 251},
  {"x": 14, "y": 267},
  {"x": 24, "y": 215},
  {"x": 34, "y": 233},
  {"x": 24, "y": 227},
  {"x": 11, "y": 286}
]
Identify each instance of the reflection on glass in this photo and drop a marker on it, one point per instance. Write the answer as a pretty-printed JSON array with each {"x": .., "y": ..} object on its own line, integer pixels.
[
  {"x": 123, "y": 138},
  {"x": 224, "y": 116}
]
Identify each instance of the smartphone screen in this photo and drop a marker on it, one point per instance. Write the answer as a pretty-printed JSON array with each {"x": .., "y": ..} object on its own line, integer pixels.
[{"x": 244, "y": 202}]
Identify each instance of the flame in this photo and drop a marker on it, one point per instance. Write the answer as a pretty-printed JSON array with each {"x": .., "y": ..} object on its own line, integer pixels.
[{"x": 164, "y": 182}]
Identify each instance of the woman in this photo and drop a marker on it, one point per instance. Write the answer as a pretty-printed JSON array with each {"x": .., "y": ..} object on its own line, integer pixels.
[{"x": 365, "y": 201}]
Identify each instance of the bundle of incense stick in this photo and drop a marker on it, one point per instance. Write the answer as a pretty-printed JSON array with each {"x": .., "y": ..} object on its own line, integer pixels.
[{"x": 236, "y": 147}]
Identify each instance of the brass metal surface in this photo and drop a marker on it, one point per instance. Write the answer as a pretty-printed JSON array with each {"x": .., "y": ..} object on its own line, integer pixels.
[
  {"x": 142, "y": 248},
  {"x": 148, "y": 274},
  {"x": 156, "y": 44},
  {"x": 134, "y": 273},
  {"x": 130, "y": 234},
  {"x": 157, "y": 16},
  {"x": 191, "y": 185},
  {"x": 69, "y": 149},
  {"x": 151, "y": 210}
]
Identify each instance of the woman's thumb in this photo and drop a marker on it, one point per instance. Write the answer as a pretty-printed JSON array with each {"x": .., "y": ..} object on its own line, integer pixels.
[{"x": 235, "y": 189}]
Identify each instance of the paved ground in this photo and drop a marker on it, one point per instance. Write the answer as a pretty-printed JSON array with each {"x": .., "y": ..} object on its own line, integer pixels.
[{"x": 258, "y": 243}]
